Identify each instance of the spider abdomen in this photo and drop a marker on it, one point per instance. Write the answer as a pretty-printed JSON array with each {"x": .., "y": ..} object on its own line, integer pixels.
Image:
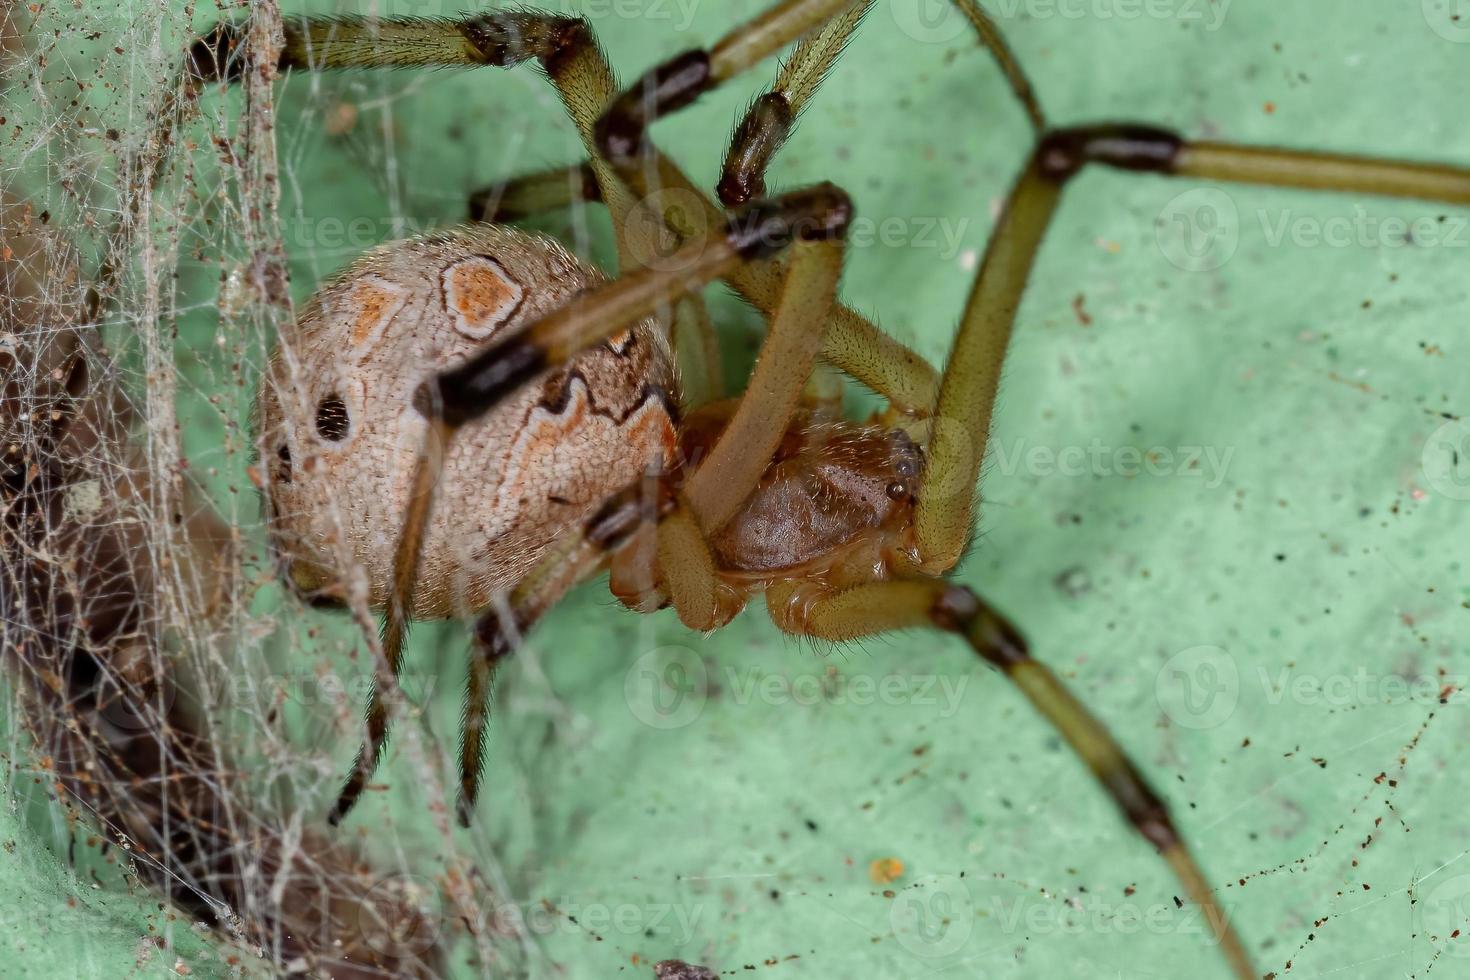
[{"x": 338, "y": 431}]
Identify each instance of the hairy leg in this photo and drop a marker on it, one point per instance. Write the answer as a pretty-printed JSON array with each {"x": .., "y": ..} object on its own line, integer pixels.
[
  {"x": 476, "y": 387},
  {"x": 567, "y": 50},
  {"x": 578, "y": 555},
  {"x": 729, "y": 474},
  {"x": 961, "y": 424},
  {"x": 813, "y": 610},
  {"x": 851, "y": 343},
  {"x": 498, "y": 632},
  {"x": 769, "y": 121},
  {"x": 564, "y": 47},
  {"x": 532, "y": 194}
]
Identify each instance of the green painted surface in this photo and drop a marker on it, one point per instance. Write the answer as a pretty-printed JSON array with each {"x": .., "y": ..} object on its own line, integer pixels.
[{"x": 1265, "y": 613}]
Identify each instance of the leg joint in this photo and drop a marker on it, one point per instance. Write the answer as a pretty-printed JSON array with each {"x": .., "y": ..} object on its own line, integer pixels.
[
  {"x": 1062, "y": 153},
  {"x": 622, "y": 131},
  {"x": 509, "y": 38},
  {"x": 465, "y": 393},
  {"x": 957, "y": 609},
  {"x": 494, "y": 642},
  {"x": 818, "y": 213}
]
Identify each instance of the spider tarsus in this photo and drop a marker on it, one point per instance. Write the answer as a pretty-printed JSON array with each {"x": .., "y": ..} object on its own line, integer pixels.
[
  {"x": 671, "y": 86},
  {"x": 1062, "y": 153},
  {"x": 357, "y": 778},
  {"x": 760, "y": 134}
]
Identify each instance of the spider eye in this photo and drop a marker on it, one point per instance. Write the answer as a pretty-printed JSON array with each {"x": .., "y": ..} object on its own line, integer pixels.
[{"x": 332, "y": 420}]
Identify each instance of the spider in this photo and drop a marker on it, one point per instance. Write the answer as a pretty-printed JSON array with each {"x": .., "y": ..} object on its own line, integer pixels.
[{"x": 478, "y": 414}]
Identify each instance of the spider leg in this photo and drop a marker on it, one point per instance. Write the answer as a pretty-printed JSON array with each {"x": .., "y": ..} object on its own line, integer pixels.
[
  {"x": 770, "y": 119},
  {"x": 1000, "y": 49},
  {"x": 961, "y": 423},
  {"x": 498, "y": 631},
  {"x": 622, "y": 133},
  {"x": 577, "y": 556},
  {"x": 729, "y": 474},
  {"x": 814, "y": 222},
  {"x": 695, "y": 343},
  {"x": 466, "y": 392},
  {"x": 427, "y": 465},
  {"x": 850, "y": 342},
  {"x": 531, "y": 194},
  {"x": 1319, "y": 171},
  {"x": 694, "y": 339},
  {"x": 460, "y": 395},
  {"x": 566, "y": 48},
  {"x": 809, "y": 609},
  {"x": 687, "y": 574}
]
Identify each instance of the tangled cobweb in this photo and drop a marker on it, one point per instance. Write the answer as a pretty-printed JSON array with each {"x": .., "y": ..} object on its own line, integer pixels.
[{"x": 142, "y": 278}]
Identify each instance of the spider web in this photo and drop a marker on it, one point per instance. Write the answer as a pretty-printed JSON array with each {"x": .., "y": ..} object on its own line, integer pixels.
[
  {"x": 175, "y": 730},
  {"x": 178, "y": 726},
  {"x": 152, "y": 679}
]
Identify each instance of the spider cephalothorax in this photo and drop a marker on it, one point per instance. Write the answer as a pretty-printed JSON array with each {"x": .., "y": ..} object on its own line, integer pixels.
[
  {"x": 834, "y": 505},
  {"x": 478, "y": 413}
]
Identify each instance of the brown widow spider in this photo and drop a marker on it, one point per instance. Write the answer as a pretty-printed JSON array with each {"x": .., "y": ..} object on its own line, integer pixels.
[{"x": 560, "y": 386}]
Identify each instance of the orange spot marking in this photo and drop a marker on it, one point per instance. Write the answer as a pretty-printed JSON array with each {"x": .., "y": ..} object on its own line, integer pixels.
[
  {"x": 481, "y": 295},
  {"x": 371, "y": 304},
  {"x": 579, "y": 455},
  {"x": 650, "y": 431},
  {"x": 885, "y": 870}
]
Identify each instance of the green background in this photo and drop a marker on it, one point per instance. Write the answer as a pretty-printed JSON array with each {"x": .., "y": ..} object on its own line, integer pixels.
[{"x": 720, "y": 798}]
